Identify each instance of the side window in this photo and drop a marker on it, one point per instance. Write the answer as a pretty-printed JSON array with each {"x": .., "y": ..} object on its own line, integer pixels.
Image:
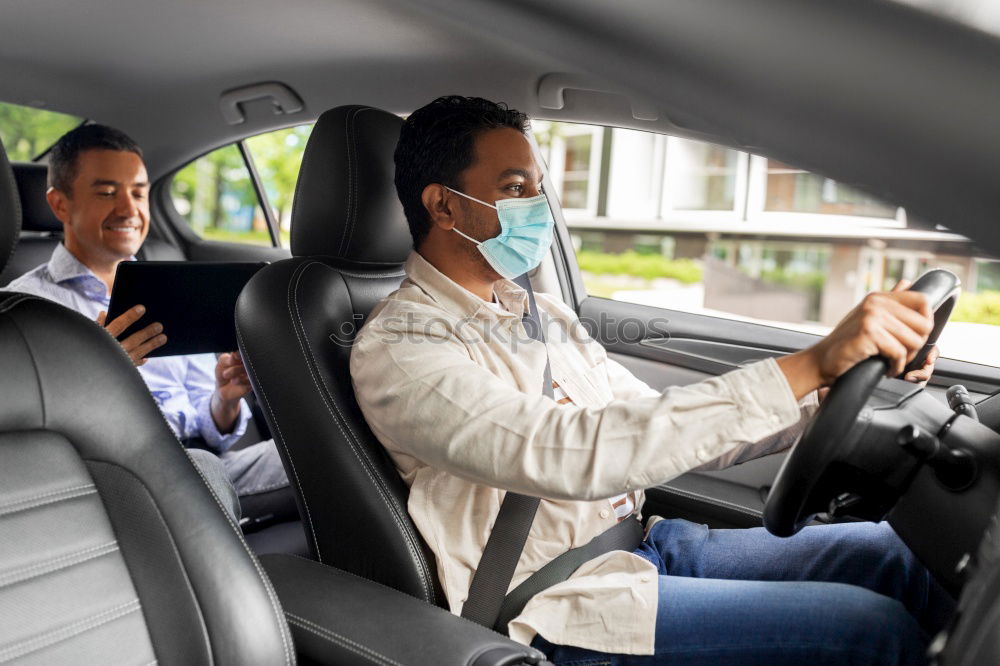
[
  {"x": 215, "y": 196},
  {"x": 218, "y": 198},
  {"x": 28, "y": 132},
  {"x": 686, "y": 225},
  {"x": 278, "y": 157}
]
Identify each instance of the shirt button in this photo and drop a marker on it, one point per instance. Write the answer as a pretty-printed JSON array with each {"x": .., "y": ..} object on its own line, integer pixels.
[
  {"x": 644, "y": 579},
  {"x": 605, "y": 513}
]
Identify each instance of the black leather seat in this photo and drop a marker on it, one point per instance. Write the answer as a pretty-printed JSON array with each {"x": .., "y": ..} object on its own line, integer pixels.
[
  {"x": 114, "y": 550},
  {"x": 112, "y": 547},
  {"x": 296, "y": 319},
  {"x": 41, "y": 231}
]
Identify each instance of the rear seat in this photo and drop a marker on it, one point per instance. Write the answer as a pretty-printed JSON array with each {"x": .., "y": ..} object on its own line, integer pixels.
[{"x": 41, "y": 231}]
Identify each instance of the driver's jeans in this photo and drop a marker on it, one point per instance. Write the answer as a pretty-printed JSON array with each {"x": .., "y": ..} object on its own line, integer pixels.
[{"x": 848, "y": 593}]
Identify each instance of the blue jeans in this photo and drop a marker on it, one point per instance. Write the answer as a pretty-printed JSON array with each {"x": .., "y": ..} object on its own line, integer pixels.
[{"x": 849, "y": 593}]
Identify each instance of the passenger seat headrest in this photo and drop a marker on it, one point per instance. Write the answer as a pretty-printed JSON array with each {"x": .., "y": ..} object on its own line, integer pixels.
[
  {"x": 32, "y": 183},
  {"x": 345, "y": 200},
  {"x": 10, "y": 211}
]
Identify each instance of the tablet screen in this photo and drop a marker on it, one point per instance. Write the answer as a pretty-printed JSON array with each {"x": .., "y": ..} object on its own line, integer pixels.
[{"x": 195, "y": 301}]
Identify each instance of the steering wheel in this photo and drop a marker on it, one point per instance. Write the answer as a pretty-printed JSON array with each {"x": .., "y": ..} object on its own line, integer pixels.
[{"x": 796, "y": 496}]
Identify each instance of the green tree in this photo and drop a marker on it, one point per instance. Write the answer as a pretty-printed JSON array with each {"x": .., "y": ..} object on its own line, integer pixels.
[
  {"x": 278, "y": 157},
  {"x": 28, "y": 132}
]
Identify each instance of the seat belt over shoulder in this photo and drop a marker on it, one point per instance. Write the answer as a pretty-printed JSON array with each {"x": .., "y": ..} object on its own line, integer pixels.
[{"x": 488, "y": 603}]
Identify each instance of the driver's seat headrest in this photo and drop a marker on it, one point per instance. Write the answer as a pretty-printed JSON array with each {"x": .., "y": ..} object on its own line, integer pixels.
[
  {"x": 10, "y": 211},
  {"x": 345, "y": 205}
]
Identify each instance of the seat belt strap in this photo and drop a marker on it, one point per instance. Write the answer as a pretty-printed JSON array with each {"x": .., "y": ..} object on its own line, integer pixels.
[
  {"x": 488, "y": 602},
  {"x": 517, "y": 513},
  {"x": 626, "y": 535}
]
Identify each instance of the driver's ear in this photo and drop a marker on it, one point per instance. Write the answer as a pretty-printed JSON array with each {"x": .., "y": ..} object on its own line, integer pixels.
[{"x": 440, "y": 207}]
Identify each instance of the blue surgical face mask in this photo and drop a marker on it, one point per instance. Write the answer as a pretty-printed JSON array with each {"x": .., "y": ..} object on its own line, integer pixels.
[{"x": 525, "y": 234}]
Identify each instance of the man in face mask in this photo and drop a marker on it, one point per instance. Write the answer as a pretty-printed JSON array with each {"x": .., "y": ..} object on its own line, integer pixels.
[{"x": 472, "y": 412}]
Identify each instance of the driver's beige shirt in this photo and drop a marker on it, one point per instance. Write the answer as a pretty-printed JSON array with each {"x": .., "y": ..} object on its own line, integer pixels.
[{"x": 459, "y": 406}]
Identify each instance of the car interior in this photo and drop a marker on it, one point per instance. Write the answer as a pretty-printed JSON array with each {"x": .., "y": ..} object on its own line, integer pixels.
[{"x": 114, "y": 550}]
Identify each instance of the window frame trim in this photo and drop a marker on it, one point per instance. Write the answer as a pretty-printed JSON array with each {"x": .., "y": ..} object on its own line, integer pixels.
[{"x": 261, "y": 191}]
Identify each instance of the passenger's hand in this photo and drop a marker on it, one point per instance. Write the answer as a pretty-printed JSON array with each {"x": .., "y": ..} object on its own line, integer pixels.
[
  {"x": 139, "y": 344},
  {"x": 231, "y": 378},
  {"x": 231, "y": 384},
  {"x": 891, "y": 324}
]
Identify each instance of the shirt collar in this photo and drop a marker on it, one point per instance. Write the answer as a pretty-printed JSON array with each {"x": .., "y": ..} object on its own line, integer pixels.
[
  {"x": 457, "y": 298},
  {"x": 64, "y": 266}
]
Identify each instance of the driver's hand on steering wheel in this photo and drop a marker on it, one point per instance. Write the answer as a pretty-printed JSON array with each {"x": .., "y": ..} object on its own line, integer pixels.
[
  {"x": 893, "y": 324},
  {"x": 923, "y": 374}
]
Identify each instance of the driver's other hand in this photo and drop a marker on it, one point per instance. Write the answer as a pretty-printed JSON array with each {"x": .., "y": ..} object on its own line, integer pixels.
[
  {"x": 892, "y": 324},
  {"x": 139, "y": 343}
]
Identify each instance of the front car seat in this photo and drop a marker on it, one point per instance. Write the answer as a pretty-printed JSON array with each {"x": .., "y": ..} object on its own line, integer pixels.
[
  {"x": 112, "y": 548},
  {"x": 296, "y": 320}
]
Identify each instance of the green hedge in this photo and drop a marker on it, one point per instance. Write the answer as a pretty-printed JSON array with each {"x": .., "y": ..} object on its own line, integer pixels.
[
  {"x": 979, "y": 308},
  {"x": 648, "y": 266}
]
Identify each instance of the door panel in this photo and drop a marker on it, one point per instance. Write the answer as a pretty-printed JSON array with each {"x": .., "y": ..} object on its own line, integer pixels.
[
  {"x": 202, "y": 250},
  {"x": 670, "y": 348}
]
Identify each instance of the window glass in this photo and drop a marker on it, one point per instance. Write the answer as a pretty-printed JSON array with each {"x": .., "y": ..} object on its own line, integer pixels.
[
  {"x": 702, "y": 176},
  {"x": 28, "y": 132},
  {"x": 797, "y": 191},
  {"x": 215, "y": 196},
  {"x": 278, "y": 157},
  {"x": 691, "y": 226},
  {"x": 576, "y": 177}
]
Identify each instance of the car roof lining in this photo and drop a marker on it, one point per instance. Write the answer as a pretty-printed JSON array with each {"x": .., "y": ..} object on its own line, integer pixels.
[{"x": 905, "y": 111}]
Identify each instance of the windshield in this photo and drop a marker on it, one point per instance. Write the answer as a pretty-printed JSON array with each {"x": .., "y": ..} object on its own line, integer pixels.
[
  {"x": 28, "y": 132},
  {"x": 981, "y": 14}
]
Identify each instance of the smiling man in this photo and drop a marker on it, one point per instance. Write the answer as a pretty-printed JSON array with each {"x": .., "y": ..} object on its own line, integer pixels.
[
  {"x": 98, "y": 189},
  {"x": 454, "y": 391}
]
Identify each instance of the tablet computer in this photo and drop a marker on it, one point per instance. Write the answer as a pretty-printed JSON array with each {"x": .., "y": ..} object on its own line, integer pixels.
[{"x": 195, "y": 301}]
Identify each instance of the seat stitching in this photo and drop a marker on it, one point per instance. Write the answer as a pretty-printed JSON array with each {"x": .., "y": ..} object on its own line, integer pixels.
[
  {"x": 353, "y": 439},
  {"x": 352, "y": 218},
  {"x": 371, "y": 274},
  {"x": 60, "y": 634},
  {"x": 239, "y": 535},
  {"x": 56, "y": 564},
  {"x": 350, "y": 179},
  {"x": 343, "y": 641},
  {"x": 14, "y": 299},
  {"x": 275, "y": 606},
  {"x": 359, "y": 452},
  {"x": 281, "y": 439},
  {"x": 51, "y": 497}
]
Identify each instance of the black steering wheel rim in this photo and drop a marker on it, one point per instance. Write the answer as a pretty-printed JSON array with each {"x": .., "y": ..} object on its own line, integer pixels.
[{"x": 791, "y": 504}]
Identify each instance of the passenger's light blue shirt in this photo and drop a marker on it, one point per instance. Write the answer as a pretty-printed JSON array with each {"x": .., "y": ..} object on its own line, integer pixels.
[{"x": 181, "y": 385}]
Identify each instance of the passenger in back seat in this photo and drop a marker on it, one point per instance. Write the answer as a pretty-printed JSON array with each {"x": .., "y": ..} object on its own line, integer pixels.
[{"x": 98, "y": 189}]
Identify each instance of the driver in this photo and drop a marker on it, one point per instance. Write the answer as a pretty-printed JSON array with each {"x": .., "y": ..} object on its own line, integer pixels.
[{"x": 452, "y": 387}]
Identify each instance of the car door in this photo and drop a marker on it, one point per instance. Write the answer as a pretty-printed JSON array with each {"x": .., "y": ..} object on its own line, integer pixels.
[
  {"x": 234, "y": 202},
  {"x": 687, "y": 260}
]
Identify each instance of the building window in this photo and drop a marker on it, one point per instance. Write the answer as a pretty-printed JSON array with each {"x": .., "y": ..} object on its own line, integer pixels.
[
  {"x": 703, "y": 175},
  {"x": 703, "y": 181}
]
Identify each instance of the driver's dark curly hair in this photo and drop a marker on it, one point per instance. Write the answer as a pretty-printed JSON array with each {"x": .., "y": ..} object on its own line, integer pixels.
[{"x": 437, "y": 143}]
